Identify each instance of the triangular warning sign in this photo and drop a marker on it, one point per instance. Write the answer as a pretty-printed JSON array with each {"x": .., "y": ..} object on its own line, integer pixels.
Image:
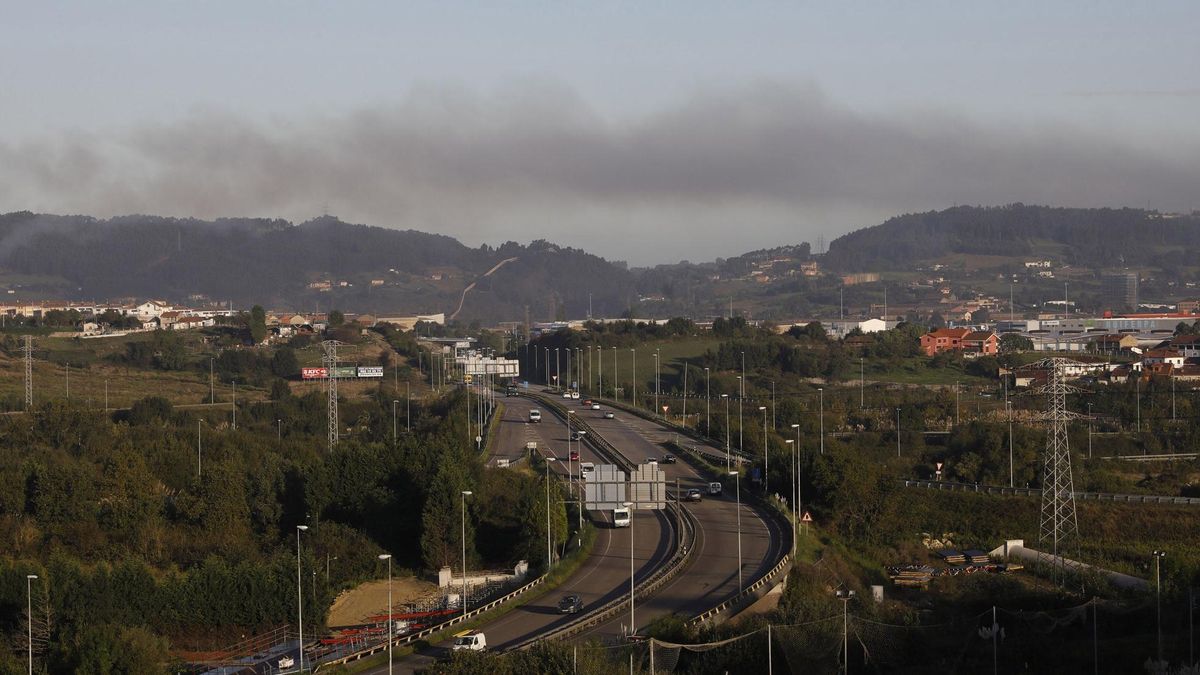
[{"x": 806, "y": 518}]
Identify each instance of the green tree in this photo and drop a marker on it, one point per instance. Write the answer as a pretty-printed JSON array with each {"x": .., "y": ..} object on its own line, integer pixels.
[
  {"x": 1012, "y": 343},
  {"x": 258, "y": 324},
  {"x": 336, "y": 318}
]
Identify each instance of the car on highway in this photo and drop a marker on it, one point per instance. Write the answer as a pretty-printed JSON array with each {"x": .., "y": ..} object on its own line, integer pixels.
[
  {"x": 535, "y": 416},
  {"x": 595, "y": 406},
  {"x": 286, "y": 662},
  {"x": 608, "y": 415},
  {"x": 575, "y": 395},
  {"x": 585, "y": 468},
  {"x": 577, "y": 435},
  {"x": 668, "y": 459},
  {"x": 651, "y": 460},
  {"x": 570, "y": 604},
  {"x": 566, "y": 394},
  {"x": 587, "y": 403},
  {"x": 573, "y": 456},
  {"x": 692, "y": 496},
  {"x": 714, "y": 489}
]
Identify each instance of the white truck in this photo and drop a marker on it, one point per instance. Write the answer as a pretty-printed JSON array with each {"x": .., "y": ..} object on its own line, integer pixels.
[
  {"x": 470, "y": 640},
  {"x": 535, "y": 416}
]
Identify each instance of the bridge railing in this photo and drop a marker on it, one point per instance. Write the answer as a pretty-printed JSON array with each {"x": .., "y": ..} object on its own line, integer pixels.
[{"x": 1036, "y": 492}]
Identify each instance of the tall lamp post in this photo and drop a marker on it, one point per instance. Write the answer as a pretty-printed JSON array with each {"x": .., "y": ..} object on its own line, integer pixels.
[
  {"x": 741, "y": 405},
  {"x": 845, "y": 596},
  {"x": 738, "y": 491},
  {"x": 615, "y": 398},
  {"x": 707, "y": 405},
  {"x": 1089, "y": 429},
  {"x": 549, "y": 546},
  {"x": 1158, "y": 556},
  {"x": 394, "y": 403},
  {"x": 634, "y": 399},
  {"x": 897, "y": 432},
  {"x": 796, "y": 470},
  {"x": 656, "y": 410},
  {"x": 792, "y": 446},
  {"x": 632, "y": 622},
  {"x": 300, "y": 596},
  {"x": 821, "y": 396},
  {"x": 726, "y": 397},
  {"x": 388, "y": 558},
  {"x": 465, "y": 494},
  {"x": 766, "y": 455},
  {"x": 29, "y": 609}
]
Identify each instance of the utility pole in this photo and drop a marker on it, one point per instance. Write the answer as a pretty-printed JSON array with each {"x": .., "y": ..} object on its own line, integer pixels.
[
  {"x": 330, "y": 358},
  {"x": 1058, "y": 519},
  {"x": 685, "y": 392}
]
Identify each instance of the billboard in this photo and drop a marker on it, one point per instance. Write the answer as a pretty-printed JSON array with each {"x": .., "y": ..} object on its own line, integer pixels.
[
  {"x": 314, "y": 373},
  {"x": 370, "y": 371},
  {"x": 648, "y": 487},
  {"x": 345, "y": 371}
]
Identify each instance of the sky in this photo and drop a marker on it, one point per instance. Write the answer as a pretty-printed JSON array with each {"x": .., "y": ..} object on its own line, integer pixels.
[{"x": 648, "y": 132}]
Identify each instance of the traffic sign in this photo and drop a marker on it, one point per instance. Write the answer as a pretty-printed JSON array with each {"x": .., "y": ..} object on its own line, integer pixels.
[{"x": 806, "y": 518}]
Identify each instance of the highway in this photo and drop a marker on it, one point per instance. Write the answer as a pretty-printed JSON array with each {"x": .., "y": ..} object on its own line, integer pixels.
[
  {"x": 712, "y": 576},
  {"x": 605, "y": 574}
]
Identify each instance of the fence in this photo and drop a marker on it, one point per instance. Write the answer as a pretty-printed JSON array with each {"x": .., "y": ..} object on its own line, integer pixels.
[{"x": 1036, "y": 492}]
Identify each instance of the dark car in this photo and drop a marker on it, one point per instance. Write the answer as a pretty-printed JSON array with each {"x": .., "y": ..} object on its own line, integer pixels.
[
  {"x": 576, "y": 435},
  {"x": 668, "y": 459},
  {"x": 574, "y": 456},
  {"x": 570, "y": 604}
]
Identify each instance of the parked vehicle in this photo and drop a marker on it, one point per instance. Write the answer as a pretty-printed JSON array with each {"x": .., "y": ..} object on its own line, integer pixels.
[
  {"x": 692, "y": 496},
  {"x": 714, "y": 489},
  {"x": 535, "y": 416},
  {"x": 470, "y": 640},
  {"x": 621, "y": 517},
  {"x": 570, "y": 604},
  {"x": 668, "y": 459}
]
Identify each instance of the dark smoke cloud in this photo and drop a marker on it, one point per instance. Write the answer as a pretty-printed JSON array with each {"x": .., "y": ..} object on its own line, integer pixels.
[{"x": 713, "y": 175}]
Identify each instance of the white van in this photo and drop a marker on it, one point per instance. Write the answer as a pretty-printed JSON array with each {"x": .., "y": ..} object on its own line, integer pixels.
[
  {"x": 472, "y": 641},
  {"x": 535, "y": 416},
  {"x": 585, "y": 468},
  {"x": 621, "y": 517}
]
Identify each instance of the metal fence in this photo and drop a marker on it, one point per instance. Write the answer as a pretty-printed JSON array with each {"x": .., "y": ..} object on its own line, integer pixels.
[{"x": 1037, "y": 492}]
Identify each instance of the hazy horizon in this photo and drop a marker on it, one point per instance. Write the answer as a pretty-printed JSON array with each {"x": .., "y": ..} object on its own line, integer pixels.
[{"x": 644, "y": 134}]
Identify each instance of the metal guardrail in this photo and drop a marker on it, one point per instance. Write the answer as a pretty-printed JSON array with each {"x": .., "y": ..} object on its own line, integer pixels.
[
  {"x": 1155, "y": 458},
  {"x": 746, "y": 592},
  {"x": 412, "y": 637},
  {"x": 1036, "y": 492}
]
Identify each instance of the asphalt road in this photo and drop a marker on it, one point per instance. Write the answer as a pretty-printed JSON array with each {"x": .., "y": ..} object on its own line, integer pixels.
[
  {"x": 712, "y": 576},
  {"x": 605, "y": 574}
]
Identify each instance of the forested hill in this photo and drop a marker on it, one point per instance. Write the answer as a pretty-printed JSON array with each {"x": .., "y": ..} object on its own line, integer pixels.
[
  {"x": 273, "y": 262},
  {"x": 1092, "y": 238}
]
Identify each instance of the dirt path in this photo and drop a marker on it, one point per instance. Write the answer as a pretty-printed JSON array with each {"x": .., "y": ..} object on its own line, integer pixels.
[{"x": 354, "y": 606}]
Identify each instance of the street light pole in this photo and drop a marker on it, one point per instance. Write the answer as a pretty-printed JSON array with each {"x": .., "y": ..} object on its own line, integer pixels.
[
  {"x": 821, "y": 395},
  {"x": 707, "y": 405},
  {"x": 300, "y": 596},
  {"x": 29, "y": 610},
  {"x": 897, "y": 432},
  {"x": 615, "y": 398},
  {"x": 549, "y": 546},
  {"x": 632, "y": 621},
  {"x": 656, "y": 389},
  {"x": 1158, "y": 556},
  {"x": 1089, "y": 429},
  {"x": 738, "y": 491},
  {"x": 741, "y": 405},
  {"x": 726, "y": 397},
  {"x": 394, "y": 402},
  {"x": 388, "y": 558},
  {"x": 198, "y": 448},
  {"x": 634, "y": 352},
  {"x": 792, "y": 497},
  {"x": 408, "y": 406},
  {"x": 766, "y": 455},
  {"x": 796, "y": 479},
  {"x": 862, "y": 382},
  {"x": 845, "y": 597},
  {"x": 465, "y": 494}
]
